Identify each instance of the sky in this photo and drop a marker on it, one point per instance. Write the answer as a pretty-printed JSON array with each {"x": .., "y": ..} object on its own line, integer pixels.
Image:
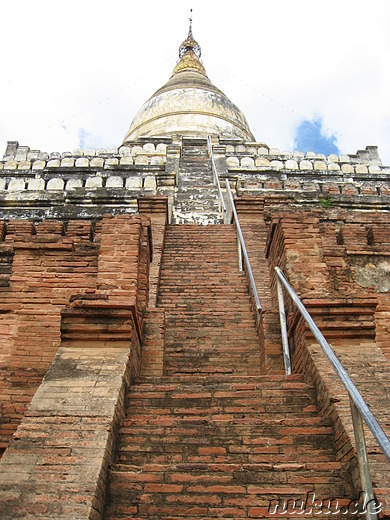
[{"x": 308, "y": 75}]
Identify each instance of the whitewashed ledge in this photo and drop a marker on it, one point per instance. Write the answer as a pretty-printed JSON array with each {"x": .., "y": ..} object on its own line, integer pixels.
[
  {"x": 259, "y": 156},
  {"x": 20, "y": 184},
  {"x": 316, "y": 164},
  {"x": 35, "y": 160},
  {"x": 370, "y": 154}
]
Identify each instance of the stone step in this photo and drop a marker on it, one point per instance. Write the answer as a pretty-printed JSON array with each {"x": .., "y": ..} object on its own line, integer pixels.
[
  {"x": 216, "y": 282},
  {"x": 138, "y": 455},
  {"x": 212, "y": 438},
  {"x": 212, "y": 293},
  {"x": 204, "y": 236},
  {"x": 184, "y": 454},
  {"x": 210, "y": 327},
  {"x": 196, "y": 174},
  {"x": 215, "y": 275},
  {"x": 196, "y": 208},
  {"x": 222, "y": 253},
  {"x": 196, "y": 150},
  {"x": 196, "y": 197},
  {"x": 192, "y": 196},
  {"x": 199, "y": 217},
  {"x": 191, "y": 500},
  {"x": 249, "y": 406},
  {"x": 195, "y": 167},
  {"x": 202, "y": 187},
  {"x": 221, "y": 317},
  {"x": 192, "y": 154},
  {"x": 227, "y": 280},
  {"x": 246, "y": 475},
  {"x": 237, "y": 383}
]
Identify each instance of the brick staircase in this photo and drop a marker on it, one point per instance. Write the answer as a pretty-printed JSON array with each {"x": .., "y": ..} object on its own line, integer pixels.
[
  {"x": 212, "y": 437},
  {"x": 196, "y": 197},
  {"x": 210, "y": 328}
]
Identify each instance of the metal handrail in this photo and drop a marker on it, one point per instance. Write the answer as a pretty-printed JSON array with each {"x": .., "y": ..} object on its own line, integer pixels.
[
  {"x": 215, "y": 175},
  {"x": 243, "y": 248},
  {"x": 359, "y": 408},
  {"x": 238, "y": 227}
]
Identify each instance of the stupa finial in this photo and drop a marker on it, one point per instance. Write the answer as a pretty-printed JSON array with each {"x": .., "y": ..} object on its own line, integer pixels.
[
  {"x": 190, "y": 29},
  {"x": 190, "y": 44}
]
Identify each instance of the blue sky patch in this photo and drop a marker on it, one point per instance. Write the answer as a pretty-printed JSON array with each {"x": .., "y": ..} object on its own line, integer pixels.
[
  {"x": 83, "y": 136},
  {"x": 310, "y": 137}
]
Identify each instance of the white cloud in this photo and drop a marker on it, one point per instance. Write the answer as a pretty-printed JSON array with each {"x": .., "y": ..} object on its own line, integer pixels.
[{"x": 91, "y": 64}]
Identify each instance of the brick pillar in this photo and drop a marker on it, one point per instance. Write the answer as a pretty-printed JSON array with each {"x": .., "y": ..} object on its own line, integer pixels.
[
  {"x": 56, "y": 465},
  {"x": 156, "y": 208},
  {"x": 295, "y": 245},
  {"x": 250, "y": 211},
  {"x": 346, "y": 317},
  {"x": 41, "y": 266}
]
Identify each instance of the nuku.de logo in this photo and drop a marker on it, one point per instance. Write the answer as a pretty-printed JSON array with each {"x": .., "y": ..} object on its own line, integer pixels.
[{"x": 327, "y": 506}]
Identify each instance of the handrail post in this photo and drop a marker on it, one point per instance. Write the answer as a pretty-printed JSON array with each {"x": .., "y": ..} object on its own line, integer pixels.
[
  {"x": 243, "y": 248},
  {"x": 354, "y": 393},
  {"x": 222, "y": 206},
  {"x": 283, "y": 327},
  {"x": 242, "y": 252},
  {"x": 364, "y": 467},
  {"x": 240, "y": 262}
]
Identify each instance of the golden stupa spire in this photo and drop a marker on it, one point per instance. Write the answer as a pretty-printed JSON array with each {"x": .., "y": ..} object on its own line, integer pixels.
[{"x": 189, "y": 54}]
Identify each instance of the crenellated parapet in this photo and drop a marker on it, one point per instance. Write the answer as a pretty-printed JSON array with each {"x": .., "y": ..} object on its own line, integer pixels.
[
  {"x": 126, "y": 167},
  {"x": 83, "y": 183},
  {"x": 89, "y": 183},
  {"x": 21, "y": 158},
  {"x": 254, "y": 168},
  {"x": 258, "y": 156}
]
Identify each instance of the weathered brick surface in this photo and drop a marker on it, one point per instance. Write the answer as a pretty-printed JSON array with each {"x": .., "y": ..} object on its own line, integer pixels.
[
  {"x": 343, "y": 303},
  {"x": 295, "y": 246},
  {"x": 204, "y": 435},
  {"x": 45, "y": 266},
  {"x": 121, "y": 258},
  {"x": 255, "y": 231},
  {"x": 191, "y": 447},
  {"x": 153, "y": 347},
  {"x": 56, "y": 465},
  {"x": 210, "y": 327},
  {"x": 156, "y": 208},
  {"x": 211, "y": 437},
  {"x": 369, "y": 371},
  {"x": 357, "y": 252}
]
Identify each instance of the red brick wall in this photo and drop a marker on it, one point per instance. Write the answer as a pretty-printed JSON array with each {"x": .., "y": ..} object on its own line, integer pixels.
[
  {"x": 153, "y": 348},
  {"x": 156, "y": 208},
  {"x": 255, "y": 231},
  {"x": 331, "y": 260},
  {"x": 56, "y": 465},
  {"x": 356, "y": 248},
  {"x": 49, "y": 265},
  {"x": 41, "y": 267}
]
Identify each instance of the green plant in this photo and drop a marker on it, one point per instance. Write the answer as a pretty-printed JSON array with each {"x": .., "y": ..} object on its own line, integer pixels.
[{"x": 326, "y": 203}]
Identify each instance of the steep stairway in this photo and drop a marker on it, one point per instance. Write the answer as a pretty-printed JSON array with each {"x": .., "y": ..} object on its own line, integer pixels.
[
  {"x": 210, "y": 328},
  {"x": 212, "y": 437},
  {"x": 221, "y": 447},
  {"x": 196, "y": 197}
]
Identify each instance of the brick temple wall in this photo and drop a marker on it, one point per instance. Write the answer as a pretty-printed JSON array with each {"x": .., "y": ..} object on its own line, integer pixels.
[
  {"x": 323, "y": 220},
  {"x": 337, "y": 261},
  {"x": 42, "y": 266},
  {"x": 65, "y": 442}
]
